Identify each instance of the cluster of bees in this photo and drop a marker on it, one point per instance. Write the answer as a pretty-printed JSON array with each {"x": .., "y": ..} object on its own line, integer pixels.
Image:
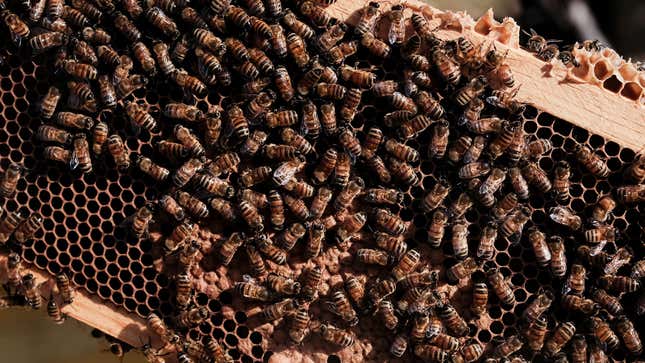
[{"x": 283, "y": 165}]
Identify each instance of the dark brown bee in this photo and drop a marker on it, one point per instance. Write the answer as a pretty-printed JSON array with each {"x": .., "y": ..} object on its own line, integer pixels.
[
  {"x": 297, "y": 207},
  {"x": 298, "y": 50},
  {"x": 57, "y": 153},
  {"x": 256, "y": 86},
  {"x": 567, "y": 217},
  {"x": 9, "y": 224},
  {"x": 330, "y": 91},
  {"x": 537, "y": 43},
  {"x": 183, "y": 283},
  {"x": 561, "y": 336},
  {"x": 403, "y": 172},
  {"x": 607, "y": 302},
  {"x": 518, "y": 183},
  {"x": 19, "y": 30},
  {"x": 248, "y": 70},
  {"x": 406, "y": 265},
  {"x": 558, "y": 256},
  {"x": 340, "y": 305},
  {"x": 32, "y": 295},
  {"x": 538, "y": 147},
  {"x": 238, "y": 122},
  {"x": 157, "y": 18},
  {"x": 502, "y": 287},
  {"x": 286, "y": 307},
  {"x": 229, "y": 248},
  {"x": 375, "y": 46},
  {"x": 28, "y": 228},
  {"x": 631, "y": 193},
  {"x": 191, "y": 204},
  {"x": 172, "y": 150},
  {"x": 299, "y": 324},
  {"x": 170, "y": 206},
  {"x": 280, "y": 152},
  {"x": 139, "y": 117},
  {"x": 509, "y": 346},
  {"x": 281, "y": 118},
  {"x": 386, "y": 309},
  {"x": 256, "y": 260},
  {"x": 189, "y": 83},
  {"x": 191, "y": 17},
  {"x": 75, "y": 17},
  {"x": 604, "y": 334},
  {"x": 95, "y": 35},
  {"x": 402, "y": 102},
  {"x": 389, "y": 222},
  {"x": 291, "y": 235},
  {"x": 162, "y": 55},
  {"x": 298, "y": 27},
  {"x": 430, "y": 353},
  {"x": 636, "y": 171},
  {"x": 540, "y": 247},
  {"x": 320, "y": 202},
  {"x": 260, "y": 104},
  {"x": 591, "y": 161},
  {"x": 450, "y": 72},
  {"x": 335, "y": 335},
  {"x": 250, "y": 177},
  {"x": 619, "y": 283},
  {"x": 625, "y": 328},
  {"x": 397, "y": 118},
  {"x": 179, "y": 51},
  {"x": 429, "y": 105},
  {"x": 372, "y": 257},
  {"x": 192, "y": 317},
  {"x": 459, "y": 148},
  {"x": 419, "y": 279},
  {"x": 283, "y": 285},
  {"x": 486, "y": 248},
  {"x": 347, "y": 195},
  {"x": 577, "y": 303},
  {"x": 638, "y": 270},
  {"x": 157, "y": 325},
  {"x": 486, "y": 125},
  {"x": 385, "y": 88},
  {"x": 49, "y": 102},
  {"x": 252, "y": 291},
  {"x": 251, "y": 215},
  {"x": 140, "y": 221},
  {"x": 503, "y": 140},
  {"x": 54, "y": 9},
  {"x": 39, "y": 43},
  {"x": 461, "y": 205},
  {"x": 299, "y": 188},
  {"x": 480, "y": 298},
  {"x": 119, "y": 152},
  {"x": 536, "y": 333},
  {"x": 350, "y": 225},
  {"x": 310, "y": 123},
  {"x": 602, "y": 210},
  {"x": 12, "y": 175},
  {"x": 253, "y": 143},
  {"x": 383, "y": 196},
  {"x": 186, "y": 172},
  {"x": 357, "y": 77},
  {"x": 396, "y": 30},
  {"x": 260, "y": 59},
  {"x": 414, "y": 126},
  {"x": 377, "y": 166},
  {"x": 350, "y": 104},
  {"x": 54, "y": 312},
  {"x": 367, "y": 21},
  {"x": 276, "y": 205},
  {"x": 537, "y": 177},
  {"x": 538, "y": 306},
  {"x": 107, "y": 92},
  {"x": 472, "y": 112},
  {"x": 14, "y": 267},
  {"x": 475, "y": 170},
  {"x": 308, "y": 80},
  {"x": 459, "y": 238},
  {"x": 453, "y": 322},
  {"x": 341, "y": 164},
  {"x": 183, "y": 111},
  {"x": 144, "y": 57},
  {"x": 437, "y": 227},
  {"x": 380, "y": 290},
  {"x": 80, "y": 70},
  {"x": 330, "y": 37},
  {"x": 472, "y": 90}
]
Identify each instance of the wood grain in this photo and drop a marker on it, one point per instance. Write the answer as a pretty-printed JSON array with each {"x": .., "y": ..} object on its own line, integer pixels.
[{"x": 583, "y": 104}]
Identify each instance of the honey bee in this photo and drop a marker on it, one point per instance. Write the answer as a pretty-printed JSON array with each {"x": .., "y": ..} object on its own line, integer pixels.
[
  {"x": 186, "y": 172},
  {"x": 299, "y": 324},
  {"x": 508, "y": 347},
  {"x": 607, "y": 302},
  {"x": 286, "y": 307},
  {"x": 280, "y": 152},
  {"x": 330, "y": 91},
  {"x": 636, "y": 171},
  {"x": 357, "y": 77},
  {"x": 591, "y": 161},
  {"x": 191, "y": 204},
  {"x": 64, "y": 288},
  {"x": 625, "y": 328},
  {"x": 350, "y": 104},
  {"x": 140, "y": 221},
  {"x": 381, "y": 289},
  {"x": 503, "y": 140},
  {"x": 472, "y": 90},
  {"x": 276, "y": 206},
  {"x": 459, "y": 238},
  {"x": 335, "y": 335},
  {"x": 139, "y": 117},
  {"x": 451, "y": 73},
  {"x": 374, "y": 45},
  {"x": 472, "y": 112},
  {"x": 536, "y": 333},
  {"x": 189, "y": 83},
  {"x": 291, "y": 235},
  {"x": 367, "y": 20},
  {"x": 224, "y": 208},
  {"x": 253, "y": 143},
  {"x": 619, "y": 283},
  {"x": 377, "y": 166},
  {"x": 251, "y": 216},
  {"x": 567, "y": 217},
  {"x": 605, "y": 335},
  {"x": 192, "y": 317},
  {"x": 265, "y": 245},
  {"x": 74, "y": 120},
  {"x": 347, "y": 195},
  {"x": 558, "y": 256},
  {"x": 213, "y": 185},
  {"x": 49, "y": 102},
  {"x": 183, "y": 112},
  {"x": 414, "y": 126},
  {"x": 311, "y": 282},
  {"x": 437, "y": 227},
  {"x": 389, "y": 222},
  {"x": 54, "y": 312},
  {"x": 597, "y": 354},
  {"x": 486, "y": 247},
  {"x": 14, "y": 279},
  {"x": 157, "y": 325},
  {"x": 561, "y": 336},
  {"x": 514, "y": 223},
  {"x": 430, "y": 353},
  {"x": 157, "y": 18},
  {"x": 251, "y": 291},
  {"x": 577, "y": 303},
  {"x": 183, "y": 285},
  {"x": 253, "y": 176},
  {"x": 480, "y": 298},
  {"x": 402, "y": 102},
  {"x": 518, "y": 183},
  {"x": 189, "y": 140},
  {"x": 453, "y": 322},
  {"x": 383, "y": 196},
  {"x": 119, "y": 152},
  {"x": 461, "y": 205},
  {"x": 602, "y": 210},
  {"x": 474, "y": 150},
  {"x": 188, "y": 255},
  {"x": 229, "y": 248},
  {"x": 538, "y": 306},
  {"x": 459, "y": 148},
  {"x": 502, "y": 287},
  {"x": 297, "y": 50},
  {"x": 257, "y": 262},
  {"x": 373, "y": 257},
  {"x": 403, "y": 172},
  {"x": 505, "y": 99},
  {"x": 57, "y": 153},
  {"x": 32, "y": 295},
  {"x": 172, "y": 150},
  {"x": 399, "y": 345},
  {"x": 631, "y": 193},
  {"x": 342, "y": 169},
  {"x": 340, "y": 305},
  {"x": 80, "y": 70},
  {"x": 12, "y": 175},
  {"x": 385, "y": 88},
  {"x": 417, "y": 279},
  {"x": 283, "y": 285}
]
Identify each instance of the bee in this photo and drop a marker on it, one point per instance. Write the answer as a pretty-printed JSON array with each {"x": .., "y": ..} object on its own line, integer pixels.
[
  {"x": 602, "y": 210},
  {"x": 257, "y": 262},
  {"x": 387, "y": 314},
  {"x": 189, "y": 83},
  {"x": 477, "y": 169},
  {"x": 561, "y": 336},
  {"x": 389, "y": 222},
  {"x": 12, "y": 175},
  {"x": 631, "y": 193},
  {"x": 192, "y": 317},
  {"x": 591, "y": 161},
  {"x": 413, "y": 127},
  {"x": 297, "y": 50},
  {"x": 297, "y": 207},
  {"x": 385, "y": 88},
  {"x": 538, "y": 306},
  {"x": 604, "y": 334},
  {"x": 625, "y": 328},
  {"x": 536, "y": 333},
  {"x": 577, "y": 303},
  {"x": 480, "y": 298},
  {"x": 57, "y": 153},
  {"x": 459, "y": 238},
  {"x": 340, "y": 305},
  {"x": 274, "y": 253},
  {"x": 157, "y": 325},
  {"x": 188, "y": 255},
  {"x": 638, "y": 270},
  {"x": 183, "y": 285},
  {"x": 401, "y": 151},
  {"x": 347, "y": 195},
  {"x": 540, "y": 247},
  {"x": 461, "y": 205},
  {"x": 396, "y": 30},
  {"x": 430, "y": 353},
  {"x": 437, "y": 227},
  {"x": 600, "y": 236},
  {"x": 619, "y": 283},
  {"x": 397, "y": 118},
  {"x": 286, "y": 307},
  {"x": 291, "y": 235},
  {"x": 283, "y": 285},
  {"x": 536, "y": 43},
  {"x": 371, "y": 143},
  {"x": 157, "y": 18},
  {"x": 357, "y": 77},
  {"x": 172, "y": 150},
  {"x": 508, "y": 347},
  {"x": 107, "y": 92},
  {"x": 459, "y": 148},
  {"x": 406, "y": 264},
  {"x": 299, "y": 323},
  {"x": 140, "y": 221},
  {"x": 330, "y": 91},
  {"x": 381, "y": 289},
  {"x": 189, "y": 140},
  {"x": 461, "y": 270},
  {"x": 224, "y": 163},
  {"x": 14, "y": 279},
  {"x": 567, "y": 217},
  {"x": 383, "y": 196},
  {"x": 281, "y": 118},
  {"x": 558, "y": 256},
  {"x": 472, "y": 112},
  {"x": 183, "y": 112},
  {"x": 191, "y": 204},
  {"x": 186, "y": 172},
  {"x": 597, "y": 354},
  {"x": 310, "y": 123},
  {"x": 350, "y": 104},
  {"x": 486, "y": 247},
  {"x": 607, "y": 302},
  {"x": 299, "y": 188},
  {"x": 403, "y": 172},
  {"x": 49, "y": 102},
  {"x": 416, "y": 279},
  {"x": 74, "y": 120},
  {"x": 373, "y": 257},
  {"x": 399, "y": 345},
  {"x": 375, "y": 46},
  {"x": 377, "y": 166},
  {"x": 502, "y": 287},
  {"x": 513, "y": 224},
  {"x": 402, "y": 102},
  {"x": 330, "y": 37},
  {"x": 139, "y": 117},
  {"x": 472, "y": 90},
  {"x": 454, "y": 323},
  {"x": 419, "y": 327},
  {"x": 94, "y": 35},
  {"x": 251, "y": 291},
  {"x": 251, "y": 215},
  {"x": 229, "y": 248},
  {"x": 253, "y": 176},
  {"x": 80, "y": 70},
  {"x": 224, "y": 208},
  {"x": 636, "y": 171},
  {"x": 28, "y": 228},
  {"x": 32, "y": 295},
  {"x": 119, "y": 152},
  {"x": 367, "y": 20},
  {"x": 311, "y": 282},
  {"x": 451, "y": 73},
  {"x": 342, "y": 168},
  {"x": 335, "y": 335}
]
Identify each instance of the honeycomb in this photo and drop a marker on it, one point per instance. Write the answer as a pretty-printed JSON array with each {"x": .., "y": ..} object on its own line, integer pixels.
[{"x": 84, "y": 214}]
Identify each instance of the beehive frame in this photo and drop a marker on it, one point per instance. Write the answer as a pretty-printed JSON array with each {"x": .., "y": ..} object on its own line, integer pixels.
[{"x": 76, "y": 209}]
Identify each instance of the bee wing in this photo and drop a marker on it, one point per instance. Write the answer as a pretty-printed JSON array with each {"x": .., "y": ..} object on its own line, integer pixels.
[
  {"x": 598, "y": 248},
  {"x": 248, "y": 278},
  {"x": 73, "y": 161}
]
